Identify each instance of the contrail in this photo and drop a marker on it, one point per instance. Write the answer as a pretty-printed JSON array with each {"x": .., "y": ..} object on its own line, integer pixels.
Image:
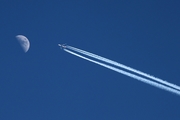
[
  {"x": 128, "y": 74},
  {"x": 124, "y": 67}
]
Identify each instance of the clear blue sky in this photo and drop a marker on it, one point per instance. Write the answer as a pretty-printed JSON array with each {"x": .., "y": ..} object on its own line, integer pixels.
[{"x": 46, "y": 83}]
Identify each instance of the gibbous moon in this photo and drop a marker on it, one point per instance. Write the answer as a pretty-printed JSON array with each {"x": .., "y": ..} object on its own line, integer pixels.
[{"x": 24, "y": 42}]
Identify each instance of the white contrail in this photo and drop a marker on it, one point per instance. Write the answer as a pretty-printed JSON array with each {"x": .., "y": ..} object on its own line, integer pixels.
[
  {"x": 129, "y": 74},
  {"x": 124, "y": 67}
]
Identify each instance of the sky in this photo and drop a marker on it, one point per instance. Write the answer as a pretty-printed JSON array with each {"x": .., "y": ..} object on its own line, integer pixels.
[{"x": 47, "y": 83}]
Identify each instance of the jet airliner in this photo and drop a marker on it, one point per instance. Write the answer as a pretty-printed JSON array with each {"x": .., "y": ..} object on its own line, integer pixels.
[{"x": 63, "y": 46}]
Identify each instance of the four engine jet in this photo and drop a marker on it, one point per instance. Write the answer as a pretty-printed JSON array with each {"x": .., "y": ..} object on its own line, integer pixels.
[{"x": 63, "y": 46}]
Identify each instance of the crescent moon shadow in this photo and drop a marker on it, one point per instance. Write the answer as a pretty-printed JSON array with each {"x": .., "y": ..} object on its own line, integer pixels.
[{"x": 24, "y": 42}]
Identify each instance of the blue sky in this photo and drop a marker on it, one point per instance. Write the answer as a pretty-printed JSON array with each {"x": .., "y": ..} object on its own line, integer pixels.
[{"x": 46, "y": 83}]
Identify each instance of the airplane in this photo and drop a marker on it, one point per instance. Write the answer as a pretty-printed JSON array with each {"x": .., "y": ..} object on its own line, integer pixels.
[{"x": 63, "y": 46}]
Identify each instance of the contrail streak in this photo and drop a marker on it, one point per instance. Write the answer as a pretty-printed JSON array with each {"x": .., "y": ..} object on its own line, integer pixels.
[
  {"x": 128, "y": 74},
  {"x": 124, "y": 67}
]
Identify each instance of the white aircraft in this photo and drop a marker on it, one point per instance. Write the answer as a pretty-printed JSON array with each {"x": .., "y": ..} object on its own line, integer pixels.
[{"x": 63, "y": 46}]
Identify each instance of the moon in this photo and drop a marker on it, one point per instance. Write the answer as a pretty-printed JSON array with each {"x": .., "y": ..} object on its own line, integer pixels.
[{"x": 24, "y": 42}]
